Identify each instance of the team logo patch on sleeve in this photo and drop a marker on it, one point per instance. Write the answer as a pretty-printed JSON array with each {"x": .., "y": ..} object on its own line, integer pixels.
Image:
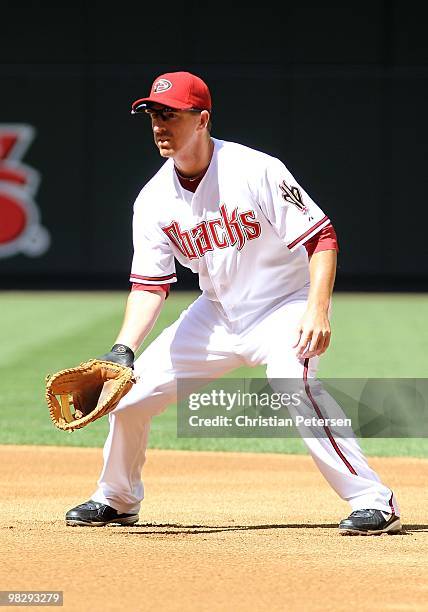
[{"x": 293, "y": 196}]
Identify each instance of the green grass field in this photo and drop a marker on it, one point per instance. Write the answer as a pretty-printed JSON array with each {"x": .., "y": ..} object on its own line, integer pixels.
[{"x": 374, "y": 335}]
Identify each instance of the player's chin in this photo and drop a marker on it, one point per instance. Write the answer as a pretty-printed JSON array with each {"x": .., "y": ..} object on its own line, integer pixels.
[
  {"x": 165, "y": 153},
  {"x": 165, "y": 150}
]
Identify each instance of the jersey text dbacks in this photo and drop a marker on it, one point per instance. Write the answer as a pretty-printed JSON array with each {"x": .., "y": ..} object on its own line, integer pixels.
[{"x": 219, "y": 232}]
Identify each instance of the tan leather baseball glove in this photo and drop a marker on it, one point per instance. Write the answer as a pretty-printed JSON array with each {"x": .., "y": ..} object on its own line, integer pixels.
[{"x": 80, "y": 395}]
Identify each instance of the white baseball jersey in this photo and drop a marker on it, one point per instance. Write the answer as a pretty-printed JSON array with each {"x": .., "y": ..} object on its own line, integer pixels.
[{"x": 242, "y": 231}]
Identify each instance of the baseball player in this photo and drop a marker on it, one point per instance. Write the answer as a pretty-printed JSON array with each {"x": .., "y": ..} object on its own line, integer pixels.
[{"x": 265, "y": 255}]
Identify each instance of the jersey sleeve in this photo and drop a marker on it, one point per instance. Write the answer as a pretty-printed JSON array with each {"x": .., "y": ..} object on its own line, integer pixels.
[
  {"x": 142, "y": 287},
  {"x": 290, "y": 210},
  {"x": 324, "y": 240},
  {"x": 153, "y": 262}
]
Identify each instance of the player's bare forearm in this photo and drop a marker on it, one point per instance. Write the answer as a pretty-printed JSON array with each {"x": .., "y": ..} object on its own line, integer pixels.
[
  {"x": 322, "y": 270},
  {"x": 314, "y": 332},
  {"x": 142, "y": 310}
]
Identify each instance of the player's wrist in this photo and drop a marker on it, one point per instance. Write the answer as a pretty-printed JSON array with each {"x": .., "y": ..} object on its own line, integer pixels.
[
  {"x": 120, "y": 353},
  {"x": 318, "y": 307}
]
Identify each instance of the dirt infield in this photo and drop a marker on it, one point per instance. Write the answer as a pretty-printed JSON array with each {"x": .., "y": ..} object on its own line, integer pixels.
[{"x": 218, "y": 531}]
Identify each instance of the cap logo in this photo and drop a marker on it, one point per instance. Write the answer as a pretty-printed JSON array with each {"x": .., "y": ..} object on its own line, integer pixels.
[{"x": 162, "y": 85}]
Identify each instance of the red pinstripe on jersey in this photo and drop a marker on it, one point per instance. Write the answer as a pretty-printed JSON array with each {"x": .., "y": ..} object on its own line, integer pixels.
[
  {"x": 325, "y": 427},
  {"x": 310, "y": 232},
  {"x": 151, "y": 279}
]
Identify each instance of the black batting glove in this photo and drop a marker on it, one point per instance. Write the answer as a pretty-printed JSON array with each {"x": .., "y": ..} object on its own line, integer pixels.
[{"x": 121, "y": 354}]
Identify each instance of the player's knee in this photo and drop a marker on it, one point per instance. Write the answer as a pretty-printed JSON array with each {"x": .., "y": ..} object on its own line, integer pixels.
[{"x": 146, "y": 399}]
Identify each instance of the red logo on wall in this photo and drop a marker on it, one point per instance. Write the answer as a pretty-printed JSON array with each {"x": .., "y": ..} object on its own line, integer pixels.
[{"x": 20, "y": 228}]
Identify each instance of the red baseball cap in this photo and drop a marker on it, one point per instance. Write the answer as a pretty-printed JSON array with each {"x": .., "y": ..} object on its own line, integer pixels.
[{"x": 177, "y": 90}]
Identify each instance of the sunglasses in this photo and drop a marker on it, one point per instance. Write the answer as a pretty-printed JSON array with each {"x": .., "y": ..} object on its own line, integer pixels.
[{"x": 161, "y": 112}]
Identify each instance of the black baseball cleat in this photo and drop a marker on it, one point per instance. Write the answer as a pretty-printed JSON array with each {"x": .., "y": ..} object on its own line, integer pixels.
[
  {"x": 95, "y": 514},
  {"x": 370, "y": 522}
]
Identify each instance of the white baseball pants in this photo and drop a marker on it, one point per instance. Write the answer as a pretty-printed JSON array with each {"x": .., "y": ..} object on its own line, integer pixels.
[{"x": 203, "y": 343}]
